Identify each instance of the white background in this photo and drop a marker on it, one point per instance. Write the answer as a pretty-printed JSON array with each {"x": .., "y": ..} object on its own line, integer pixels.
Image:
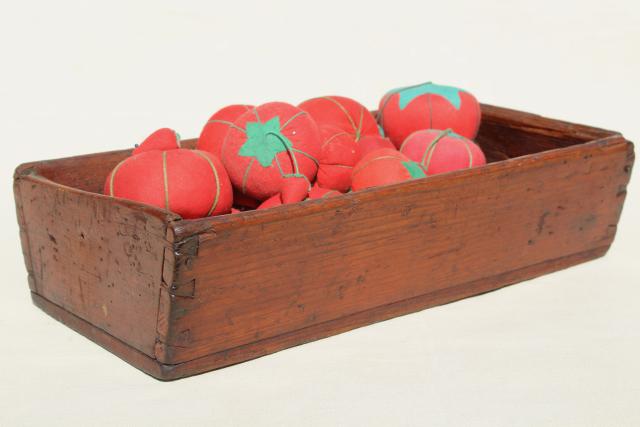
[{"x": 82, "y": 77}]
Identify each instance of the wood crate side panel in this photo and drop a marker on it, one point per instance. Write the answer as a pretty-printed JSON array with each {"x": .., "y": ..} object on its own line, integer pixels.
[
  {"x": 318, "y": 331},
  {"x": 263, "y": 274},
  {"x": 24, "y": 239},
  {"x": 96, "y": 257},
  {"x": 506, "y": 134},
  {"x": 86, "y": 172},
  {"x": 135, "y": 357},
  {"x": 178, "y": 259}
]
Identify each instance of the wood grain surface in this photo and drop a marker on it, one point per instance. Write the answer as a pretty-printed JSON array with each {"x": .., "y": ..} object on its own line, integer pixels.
[
  {"x": 94, "y": 256},
  {"x": 288, "y": 269}
]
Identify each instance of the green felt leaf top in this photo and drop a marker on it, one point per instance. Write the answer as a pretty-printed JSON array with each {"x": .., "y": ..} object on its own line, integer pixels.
[
  {"x": 264, "y": 141},
  {"x": 414, "y": 169},
  {"x": 409, "y": 93},
  {"x": 455, "y": 135}
]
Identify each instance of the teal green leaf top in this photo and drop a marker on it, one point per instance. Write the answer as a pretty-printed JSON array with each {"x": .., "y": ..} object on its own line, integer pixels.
[
  {"x": 381, "y": 131},
  {"x": 452, "y": 134},
  {"x": 409, "y": 93},
  {"x": 264, "y": 141},
  {"x": 414, "y": 169}
]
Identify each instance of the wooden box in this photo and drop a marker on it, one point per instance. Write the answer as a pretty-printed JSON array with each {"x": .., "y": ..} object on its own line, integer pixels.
[{"x": 179, "y": 297}]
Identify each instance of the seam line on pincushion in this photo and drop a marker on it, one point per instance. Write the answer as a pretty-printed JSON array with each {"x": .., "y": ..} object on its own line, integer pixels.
[
  {"x": 113, "y": 175},
  {"x": 215, "y": 174},
  {"x": 166, "y": 180},
  {"x": 344, "y": 110}
]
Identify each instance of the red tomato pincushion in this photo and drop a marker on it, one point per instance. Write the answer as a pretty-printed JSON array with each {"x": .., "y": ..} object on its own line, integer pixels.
[
  {"x": 382, "y": 167},
  {"x": 343, "y": 113},
  {"x": 428, "y": 106},
  {"x": 272, "y": 149},
  {"x": 191, "y": 183},
  {"x": 370, "y": 143},
  {"x": 318, "y": 192},
  {"x": 162, "y": 139},
  {"x": 442, "y": 151},
  {"x": 339, "y": 153},
  {"x": 216, "y": 128},
  {"x": 271, "y": 202}
]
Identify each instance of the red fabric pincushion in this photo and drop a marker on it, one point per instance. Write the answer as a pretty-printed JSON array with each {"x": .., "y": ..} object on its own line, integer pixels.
[
  {"x": 318, "y": 192},
  {"x": 370, "y": 143},
  {"x": 442, "y": 151},
  {"x": 216, "y": 128},
  {"x": 343, "y": 113},
  {"x": 272, "y": 149},
  {"x": 338, "y": 155},
  {"x": 271, "y": 202},
  {"x": 428, "y": 106},
  {"x": 191, "y": 183},
  {"x": 162, "y": 140},
  {"x": 383, "y": 167}
]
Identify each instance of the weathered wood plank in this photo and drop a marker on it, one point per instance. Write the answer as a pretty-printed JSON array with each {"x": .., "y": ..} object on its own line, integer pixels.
[
  {"x": 293, "y": 338},
  {"x": 96, "y": 257},
  {"x": 263, "y": 274}
]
